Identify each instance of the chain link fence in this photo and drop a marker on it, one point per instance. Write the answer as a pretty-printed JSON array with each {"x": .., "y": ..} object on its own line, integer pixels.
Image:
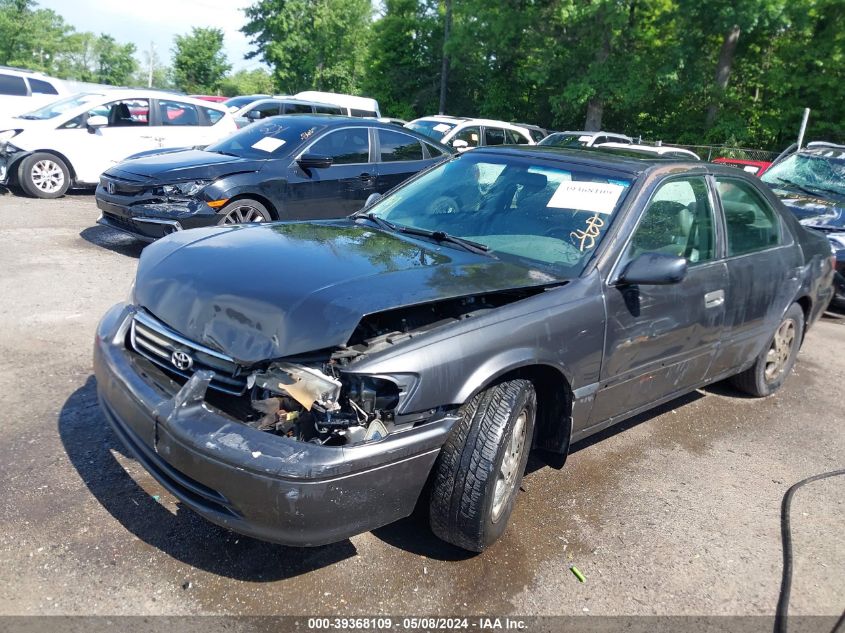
[{"x": 709, "y": 152}]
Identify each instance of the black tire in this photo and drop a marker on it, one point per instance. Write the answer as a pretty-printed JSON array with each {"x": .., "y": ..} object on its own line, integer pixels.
[
  {"x": 774, "y": 363},
  {"x": 243, "y": 210},
  {"x": 463, "y": 508},
  {"x": 43, "y": 175}
]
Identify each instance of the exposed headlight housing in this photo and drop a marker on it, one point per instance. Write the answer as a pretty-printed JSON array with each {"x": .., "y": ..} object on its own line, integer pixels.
[
  {"x": 5, "y": 137},
  {"x": 187, "y": 189}
]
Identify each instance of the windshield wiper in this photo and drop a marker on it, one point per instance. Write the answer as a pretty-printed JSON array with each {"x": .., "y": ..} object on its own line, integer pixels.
[
  {"x": 28, "y": 117},
  {"x": 372, "y": 217},
  {"x": 441, "y": 236}
]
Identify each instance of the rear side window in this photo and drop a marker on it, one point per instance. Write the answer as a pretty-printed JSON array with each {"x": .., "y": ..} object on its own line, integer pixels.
[
  {"x": 212, "y": 115},
  {"x": 494, "y": 136},
  {"x": 177, "y": 113},
  {"x": 42, "y": 87},
  {"x": 327, "y": 109},
  {"x": 11, "y": 85},
  {"x": 345, "y": 147},
  {"x": 298, "y": 108},
  {"x": 751, "y": 223},
  {"x": 396, "y": 146},
  {"x": 515, "y": 138},
  {"x": 436, "y": 152},
  {"x": 363, "y": 113}
]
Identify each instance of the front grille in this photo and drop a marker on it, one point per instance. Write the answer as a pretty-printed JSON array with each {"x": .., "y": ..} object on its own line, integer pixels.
[
  {"x": 115, "y": 186},
  {"x": 156, "y": 342}
]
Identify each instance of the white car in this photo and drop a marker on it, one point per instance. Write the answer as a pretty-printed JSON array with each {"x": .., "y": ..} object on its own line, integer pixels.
[
  {"x": 70, "y": 142},
  {"x": 274, "y": 106},
  {"x": 463, "y": 134},
  {"x": 667, "y": 151},
  {"x": 350, "y": 104},
  {"x": 584, "y": 139},
  {"x": 25, "y": 90}
]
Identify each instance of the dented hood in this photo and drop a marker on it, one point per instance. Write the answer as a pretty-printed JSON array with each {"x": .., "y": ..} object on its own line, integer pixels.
[
  {"x": 265, "y": 292},
  {"x": 187, "y": 164}
]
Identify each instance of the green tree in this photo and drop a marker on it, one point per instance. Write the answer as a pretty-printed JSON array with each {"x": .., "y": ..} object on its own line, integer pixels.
[
  {"x": 115, "y": 62},
  {"x": 30, "y": 37},
  {"x": 199, "y": 63},
  {"x": 311, "y": 44},
  {"x": 247, "y": 82}
]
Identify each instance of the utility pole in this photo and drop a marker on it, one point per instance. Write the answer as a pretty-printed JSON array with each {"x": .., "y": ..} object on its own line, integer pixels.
[
  {"x": 152, "y": 59},
  {"x": 803, "y": 127},
  {"x": 444, "y": 68}
]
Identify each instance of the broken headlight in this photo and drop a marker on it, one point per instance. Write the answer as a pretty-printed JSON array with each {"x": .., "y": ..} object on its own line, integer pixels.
[{"x": 187, "y": 189}]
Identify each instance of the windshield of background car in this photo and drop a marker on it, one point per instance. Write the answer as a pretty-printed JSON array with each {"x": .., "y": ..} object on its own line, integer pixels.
[
  {"x": 432, "y": 129},
  {"x": 815, "y": 172},
  {"x": 565, "y": 140},
  {"x": 61, "y": 106},
  {"x": 547, "y": 216},
  {"x": 269, "y": 138}
]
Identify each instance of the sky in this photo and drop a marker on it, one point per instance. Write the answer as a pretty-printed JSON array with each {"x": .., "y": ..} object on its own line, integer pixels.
[{"x": 158, "y": 21}]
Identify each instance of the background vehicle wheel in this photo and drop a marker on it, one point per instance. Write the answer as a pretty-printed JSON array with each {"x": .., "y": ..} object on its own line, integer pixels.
[
  {"x": 243, "y": 210},
  {"x": 480, "y": 467},
  {"x": 43, "y": 175},
  {"x": 773, "y": 365}
]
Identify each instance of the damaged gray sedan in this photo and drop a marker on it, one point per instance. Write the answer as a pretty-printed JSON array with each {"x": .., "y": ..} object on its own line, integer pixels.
[{"x": 302, "y": 382}]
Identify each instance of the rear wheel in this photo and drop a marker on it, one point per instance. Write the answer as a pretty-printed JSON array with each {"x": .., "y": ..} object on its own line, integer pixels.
[
  {"x": 773, "y": 365},
  {"x": 480, "y": 467},
  {"x": 43, "y": 175},
  {"x": 243, "y": 211}
]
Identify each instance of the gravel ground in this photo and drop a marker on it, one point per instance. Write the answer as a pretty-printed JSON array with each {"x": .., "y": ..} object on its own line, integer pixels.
[{"x": 673, "y": 513}]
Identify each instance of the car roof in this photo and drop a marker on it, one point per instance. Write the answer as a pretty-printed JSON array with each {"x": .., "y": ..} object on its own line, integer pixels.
[
  {"x": 145, "y": 93},
  {"x": 650, "y": 149},
  {"x": 827, "y": 150},
  {"x": 336, "y": 98}
]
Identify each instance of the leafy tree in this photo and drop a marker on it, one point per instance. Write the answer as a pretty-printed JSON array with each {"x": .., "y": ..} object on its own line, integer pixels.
[
  {"x": 30, "y": 37},
  {"x": 311, "y": 44},
  {"x": 199, "y": 63},
  {"x": 115, "y": 62},
  {"x": 247, "y": 82}
]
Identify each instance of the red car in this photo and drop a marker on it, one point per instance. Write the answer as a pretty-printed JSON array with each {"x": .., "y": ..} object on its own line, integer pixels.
[
  {"x": 754, "y": 167},
  {"x": 213, "y": 98}
]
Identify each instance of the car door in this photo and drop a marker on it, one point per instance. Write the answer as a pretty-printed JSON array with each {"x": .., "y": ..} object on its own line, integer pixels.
[
  {"x": 763, "y": 268},
  {"x": 494, "y": 136},
  {"x": 93, "y": 151},
  {"x": 14, "y": 95},
  {"x": 342, "y": 188},
  {"x": 400, "y": 157},
  {"x": 179, "y": 124},
  {"x": 661, "y": 339}
]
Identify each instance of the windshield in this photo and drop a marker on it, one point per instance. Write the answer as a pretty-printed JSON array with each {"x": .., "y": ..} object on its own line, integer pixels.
[
  {"x": 56, "y": 108},
  {"x": 268, "y": 138},
  {"x": 545, "y": 215},
  {"x": 432, "y": 129},
  {"x": 561, "y": 139},
  {"x": 823, "y": 173}
]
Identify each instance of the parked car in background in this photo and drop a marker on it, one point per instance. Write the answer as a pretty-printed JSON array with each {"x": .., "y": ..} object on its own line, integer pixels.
[
  {"x": 212, "y": 98},
  {"x": 811, "y": 183},
  {"x": 282, "y": 168},
  {"x": 664, "y": 151},
  {"x": 302, "y": 382},
  {"x": 24, "y": 90},
  {"x": 753, "y": 167},
  {"x": 236, "y": 103},
  {"x": 463, "y": 133},
  {"x": 70, "y": 142},
  {"x": 536, "y": 132},
  {"x": 275, "y": 106},
  {"x": 351, "y": 105},
  {"x": 393, "y": 121},
  {"x": 584, "y": 139}
]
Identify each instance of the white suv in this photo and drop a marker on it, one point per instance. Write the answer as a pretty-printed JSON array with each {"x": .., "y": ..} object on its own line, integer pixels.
[
  {"x": 70, "y": 142},
  {"x": 584, "y": 139},
  {"x": 24, "y": 90},
  {"x": 463, "y": 134}
]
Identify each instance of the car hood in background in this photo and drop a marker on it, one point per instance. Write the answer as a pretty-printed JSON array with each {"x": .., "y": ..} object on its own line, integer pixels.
[
  {"x": 175, "y": 166},
  {"x": 264, "y": 292}
]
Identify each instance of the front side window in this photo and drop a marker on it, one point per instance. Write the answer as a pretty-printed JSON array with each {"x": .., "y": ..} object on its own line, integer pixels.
[
  {"x": 515, "y": 138},
  {"x": 678, "y": 221},
  {"x": 39, "y": 87},
  {"x": 396, "y": 146},
  {"x": 177, "y": 113},
  {"x": 264, "y": 110},
  {"x": 13, "y": 86},
  {"x": 751, "y": 223},
  {"x": 562, "y": 139},
  {"x": 344, "y": 147},
  {"x": 550, "y": 217},
  {"x": 124, "y": 113},
  {"x": 469, "y": 134}
]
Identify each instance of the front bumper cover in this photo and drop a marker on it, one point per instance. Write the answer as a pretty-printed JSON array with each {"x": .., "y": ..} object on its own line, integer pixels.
[{"x": 255, "y": 483}]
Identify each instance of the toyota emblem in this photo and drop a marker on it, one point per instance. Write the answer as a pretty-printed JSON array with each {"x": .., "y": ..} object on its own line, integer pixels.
[{"x": 181, "y": 360}]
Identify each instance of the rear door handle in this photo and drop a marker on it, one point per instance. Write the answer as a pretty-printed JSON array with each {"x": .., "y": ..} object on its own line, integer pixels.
[
  {"x": 714, "y": 299},
  {"x": 367, "y": 178}
]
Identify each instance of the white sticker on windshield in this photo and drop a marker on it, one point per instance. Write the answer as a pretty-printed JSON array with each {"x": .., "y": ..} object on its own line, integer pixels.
[
  {"x": 442, "y": 127},
  {"x": 268, "y": 144},
  {"x": 585, "y": 139},
  {"x": 598, "y": 197}
]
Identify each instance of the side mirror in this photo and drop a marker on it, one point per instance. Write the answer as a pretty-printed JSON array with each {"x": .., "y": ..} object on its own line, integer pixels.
[
  {"x": 95, "y": 122},
  {"x": 314, "y": 161},
  {"x": 253, "y": 115},
  {"x": 372, "y": 199},
  {"x": 654, "y": 269},
  {"x": 460, "y": 145}
]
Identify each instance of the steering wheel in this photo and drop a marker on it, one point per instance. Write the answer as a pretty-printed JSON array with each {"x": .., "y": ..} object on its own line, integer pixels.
[{"x": 442, "y": 204}]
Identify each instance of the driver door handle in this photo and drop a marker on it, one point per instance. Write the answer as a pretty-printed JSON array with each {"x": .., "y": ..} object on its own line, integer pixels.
[
  {"x": 367, "y": 178},
  {"x": 714, "y": 299}
]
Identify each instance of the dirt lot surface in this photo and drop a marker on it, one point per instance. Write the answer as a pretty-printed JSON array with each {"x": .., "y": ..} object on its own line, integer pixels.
[{"x": 676, "y": 512}]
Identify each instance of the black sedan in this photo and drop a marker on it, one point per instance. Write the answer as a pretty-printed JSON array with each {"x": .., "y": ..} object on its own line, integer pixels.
[
  {"x": 509, "y": 299},
  {"x": 281, "y": 168}
]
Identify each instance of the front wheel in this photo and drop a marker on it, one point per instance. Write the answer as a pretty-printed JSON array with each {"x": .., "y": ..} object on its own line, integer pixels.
[
  {"x": 774, "y": 363},
  {"x": 43, "y": 175},
  {"x": 243, "y": 211},
  {"x": 480, "y": 467}
]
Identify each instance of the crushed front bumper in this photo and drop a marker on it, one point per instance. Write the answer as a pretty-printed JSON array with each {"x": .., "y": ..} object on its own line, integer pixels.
[{"x": 262, "y": 485}]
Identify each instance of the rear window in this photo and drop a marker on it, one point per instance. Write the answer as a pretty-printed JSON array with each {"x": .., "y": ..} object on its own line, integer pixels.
[
  {"x": 212, "y": 115},
  {"x": 14, "y": 86},
  {"x": 42, "y": 87}
]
